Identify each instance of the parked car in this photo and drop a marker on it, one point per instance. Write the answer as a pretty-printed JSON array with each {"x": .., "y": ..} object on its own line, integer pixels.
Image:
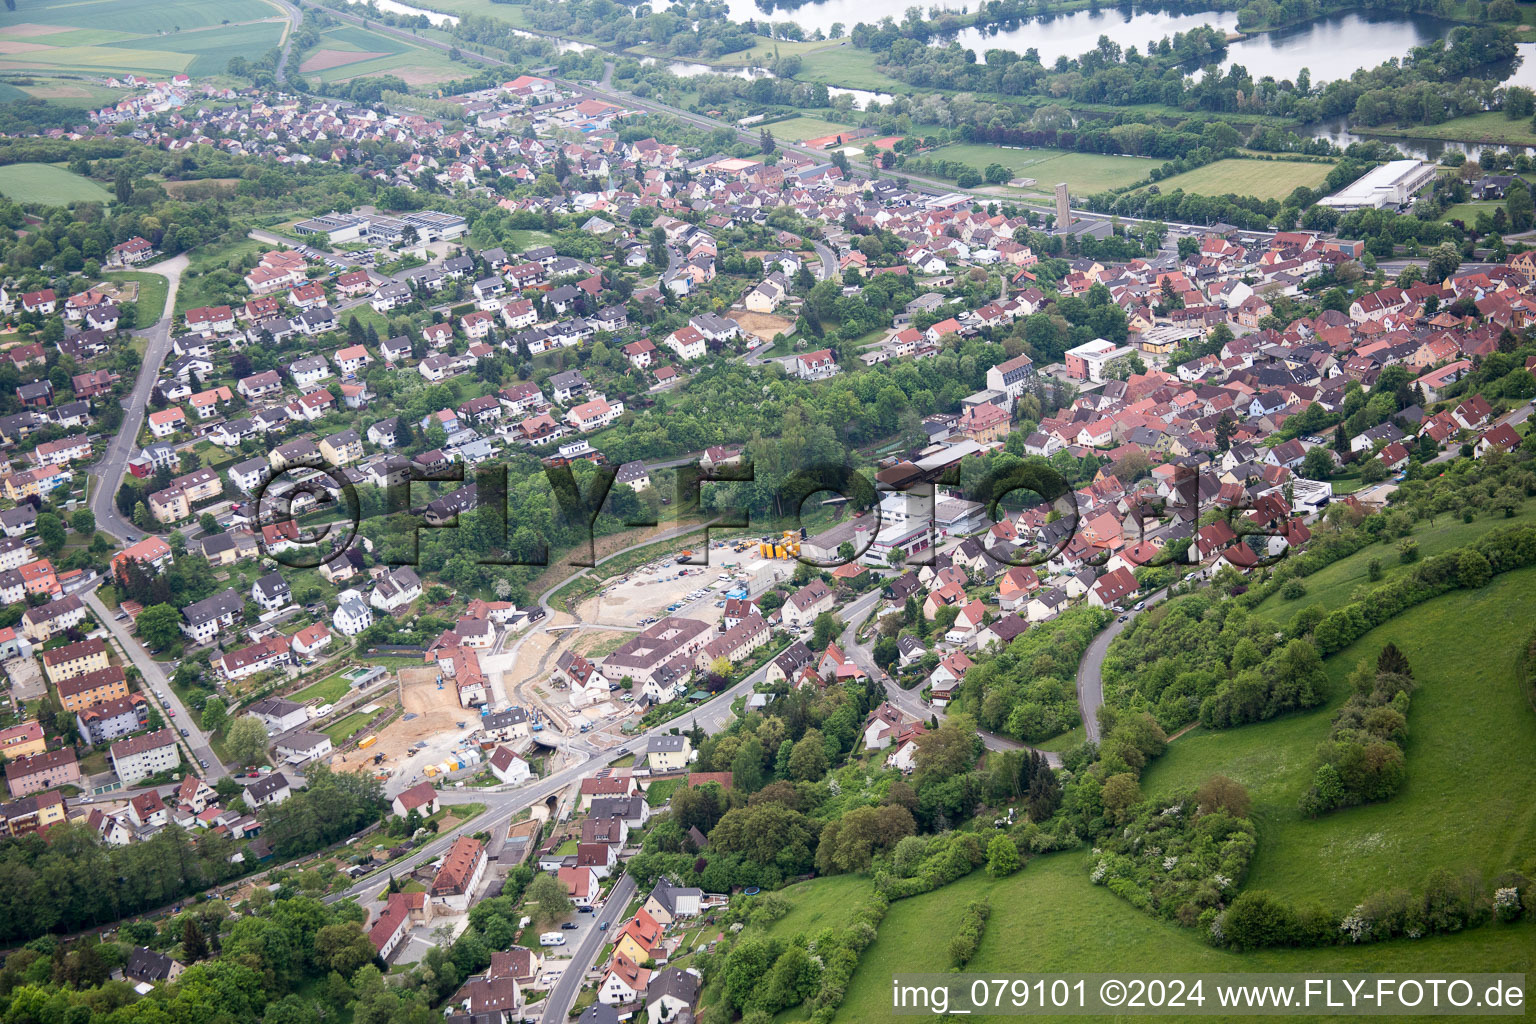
[
  {"x": 569, "y": 926},
  {"x": 583, "y": 910}
]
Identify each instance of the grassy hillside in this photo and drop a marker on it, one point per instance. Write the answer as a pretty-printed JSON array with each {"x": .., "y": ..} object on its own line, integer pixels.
[
  {"x": 1471, "y": 759},
  {"x": 1049, "y": 917},
  {"x": 1332, "y": 586}
]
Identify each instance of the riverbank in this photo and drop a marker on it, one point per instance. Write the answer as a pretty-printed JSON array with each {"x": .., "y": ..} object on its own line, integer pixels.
[{"x": 1487, "y": 129}]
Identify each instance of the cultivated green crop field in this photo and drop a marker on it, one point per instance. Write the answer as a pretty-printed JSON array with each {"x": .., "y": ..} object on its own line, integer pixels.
[
  {"x": 351, "y": 51},
  {"x": 149, "y": 37},
  {"x": 1050, "y": 918},
  {"x": 1264, "y": 179},
  {"x": 1083, "y": 172},
  {"x": 44, "y": 183},
  {"x": 1471, "y": 760}
]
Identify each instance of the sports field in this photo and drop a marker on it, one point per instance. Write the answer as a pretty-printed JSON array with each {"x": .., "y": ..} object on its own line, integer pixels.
[
  {"x": 1083, "y": 172},
  {"x": 157, "y": 38},
  {"x": 44, "y": 183},
  {"x": 798, "y": 129},
  {"x": 1263, "y": 179},
  {"x": 351, "y": 51}
]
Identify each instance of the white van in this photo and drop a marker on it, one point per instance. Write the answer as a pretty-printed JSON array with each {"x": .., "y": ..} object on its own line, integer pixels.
[{"x": 552, "y": 939}]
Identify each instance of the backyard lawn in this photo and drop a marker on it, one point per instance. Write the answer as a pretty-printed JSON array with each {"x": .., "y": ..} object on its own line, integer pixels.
[
  {"x": 345, "y": 728},
  {"x": 327, "y": 691},
  {"x": 153, "y": 290}
]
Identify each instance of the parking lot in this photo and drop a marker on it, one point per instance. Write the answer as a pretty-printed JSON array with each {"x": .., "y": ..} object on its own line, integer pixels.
[{"x": 697, "y": 592}]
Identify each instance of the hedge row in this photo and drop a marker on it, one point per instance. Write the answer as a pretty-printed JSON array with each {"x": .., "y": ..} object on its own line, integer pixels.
[{"x": 1468, "y": 567}]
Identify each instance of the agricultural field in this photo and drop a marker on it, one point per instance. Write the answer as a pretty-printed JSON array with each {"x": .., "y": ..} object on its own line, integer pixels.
[
  {"x": 799, "y": 129},
  {"x": 1049, "y": 917},
  {"x": 1264, "y": 179},
  {"x": 149, "y": 37},
  {"x": 1083, "y": 172},
  {"x": 64, "y": 91},
  {"x": 350, "y": 51},
  {"x": 45, "y": 183},
  {"x": 1468, "y": 726}
]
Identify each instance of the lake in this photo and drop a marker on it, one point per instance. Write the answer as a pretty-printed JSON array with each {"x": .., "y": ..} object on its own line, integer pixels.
[{"x": 1331, "y": 47}]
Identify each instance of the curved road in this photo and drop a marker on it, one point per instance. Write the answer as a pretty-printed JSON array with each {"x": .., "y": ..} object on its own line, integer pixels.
[{"x": 108, "y": 471}]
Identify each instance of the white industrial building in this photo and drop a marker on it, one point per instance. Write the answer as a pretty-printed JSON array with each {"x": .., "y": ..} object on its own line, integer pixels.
[{"x": 1390, "y": 185}]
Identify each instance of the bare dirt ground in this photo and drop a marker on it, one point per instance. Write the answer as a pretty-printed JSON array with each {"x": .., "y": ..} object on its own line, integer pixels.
[
  {"x": 596, "y": 643},
  {"x": 761, "y": 325},
  {"x": 648, "y": 591},
  {"x": 126, "y": 291},
  {"x": 17, "y": 46},
  {"x": 324, "y": 60},
  {"x": 437, "y": 714},
  {"x": 605, "y": 546},
  {"x": 28, "y": 28}
]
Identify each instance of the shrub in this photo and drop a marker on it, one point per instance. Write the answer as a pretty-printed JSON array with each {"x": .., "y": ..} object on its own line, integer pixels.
[
  {"x": 963, "y": 944},
  {"x": 1293, "y": 590},
  {"x": 1257, "y": 919}
]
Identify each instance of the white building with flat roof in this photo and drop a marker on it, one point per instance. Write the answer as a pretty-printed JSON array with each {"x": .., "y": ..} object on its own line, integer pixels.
[{"x": 1390, "y": 185}]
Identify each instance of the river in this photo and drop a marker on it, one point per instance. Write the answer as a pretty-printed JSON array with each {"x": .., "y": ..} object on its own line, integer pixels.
[{"x": 437, "y": 18}]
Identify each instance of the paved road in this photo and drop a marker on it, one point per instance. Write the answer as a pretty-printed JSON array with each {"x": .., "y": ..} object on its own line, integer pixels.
[
  {"x": 1090, "y": 670},
  {"x": 155, "y": 679},
  {"x": 558, "y": 1004},
  {"x": 910, "y": 701},
  {"x": 828, "y": 260},
  {"x": 280, "y": 74},
  {"x": 109, "y": 470}
]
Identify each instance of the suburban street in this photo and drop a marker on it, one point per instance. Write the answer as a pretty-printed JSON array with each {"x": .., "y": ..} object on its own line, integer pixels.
[
  {"x": 155, "y": 679},
  {"x": 108, "y": 471},
  {"x": 558, "y": 1004}
]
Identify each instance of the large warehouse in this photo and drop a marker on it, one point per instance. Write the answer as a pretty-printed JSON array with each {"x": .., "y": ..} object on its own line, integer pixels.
[{"x": 1390, "y": 185}]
